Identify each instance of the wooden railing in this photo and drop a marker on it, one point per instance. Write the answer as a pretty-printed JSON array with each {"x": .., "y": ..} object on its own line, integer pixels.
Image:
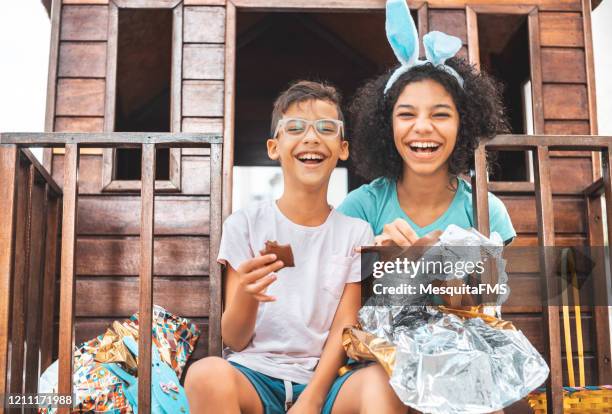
[
  {"x": 540, "y": 146},
  {"x": 20, "y": 246},
  {"x": 26, "y": 189}
]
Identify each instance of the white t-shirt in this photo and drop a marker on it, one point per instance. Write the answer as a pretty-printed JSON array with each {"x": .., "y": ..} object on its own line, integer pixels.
[{"x": 291, "y": 331}]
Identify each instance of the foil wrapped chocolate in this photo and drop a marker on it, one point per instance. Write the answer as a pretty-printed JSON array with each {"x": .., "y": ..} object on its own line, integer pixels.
[{"x": 442, "y": 360}]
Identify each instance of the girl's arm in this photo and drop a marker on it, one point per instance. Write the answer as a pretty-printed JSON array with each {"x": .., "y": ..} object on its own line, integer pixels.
[
  {"x": 244, "y": 290},
  {"x": 333, "y": 356}
]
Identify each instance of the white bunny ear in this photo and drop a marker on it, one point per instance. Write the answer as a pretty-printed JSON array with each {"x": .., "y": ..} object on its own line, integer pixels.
[
  {"x": 440, "y": 46},
  {"x": 401, "y": 32}
]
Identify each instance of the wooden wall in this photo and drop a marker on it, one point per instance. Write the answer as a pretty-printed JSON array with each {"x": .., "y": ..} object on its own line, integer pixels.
[{"x": 107, "y": 253}]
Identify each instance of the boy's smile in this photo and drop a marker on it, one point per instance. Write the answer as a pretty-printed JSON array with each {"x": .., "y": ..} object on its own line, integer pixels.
[
  {"x": 310, "y": 159},
  {"x": 425, "y": 126}
]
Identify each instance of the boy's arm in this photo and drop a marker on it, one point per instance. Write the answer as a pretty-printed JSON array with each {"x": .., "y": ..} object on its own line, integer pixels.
[
  {"x": 244, "y": 289},
  {"x": 333, "y": 356}
]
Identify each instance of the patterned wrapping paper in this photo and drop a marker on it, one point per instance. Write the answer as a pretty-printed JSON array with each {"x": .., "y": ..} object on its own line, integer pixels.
[{"x": 95, "y": 387}]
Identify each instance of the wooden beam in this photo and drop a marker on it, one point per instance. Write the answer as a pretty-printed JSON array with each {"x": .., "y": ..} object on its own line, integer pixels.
[
  {"x": 553, "y": 142},
  {"x": 68, "y": 275},
  {"x": 145, "y": 310},
  {"x": 550, "y": 314},
  {"x": 535, "y": 67},
  {"x": 216, "y": 286},
  {"x": 8, "y": 205},
  {"x": 56, "y": 12},
  {"x": 110, "y": 139},
  {"x": 146, "y": 4},
  {"x": 472, "y": 35},
  {"x": 480, "y": 201},
  {"x": 229, "y": 108},
  {"x": 423, "y": 19}
]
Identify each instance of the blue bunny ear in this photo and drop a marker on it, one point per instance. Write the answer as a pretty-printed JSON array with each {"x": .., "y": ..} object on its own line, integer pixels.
[
  {"x": 440, "y": 46},
  {"x": 401, "y": 32}
]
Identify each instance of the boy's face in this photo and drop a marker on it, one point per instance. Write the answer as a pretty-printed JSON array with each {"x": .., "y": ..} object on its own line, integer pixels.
[
  {"x": 425, "y": 126},
  {"x": 310, "y": 159}
]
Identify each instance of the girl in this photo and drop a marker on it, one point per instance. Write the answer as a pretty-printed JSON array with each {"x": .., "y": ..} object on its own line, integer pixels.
[{"x": 414, "y": 131}]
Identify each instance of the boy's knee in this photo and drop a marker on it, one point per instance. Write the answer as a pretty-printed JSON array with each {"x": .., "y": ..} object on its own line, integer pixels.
[
  {"x": 379, "y": 393},
  {"x": 209, "y": 373}
]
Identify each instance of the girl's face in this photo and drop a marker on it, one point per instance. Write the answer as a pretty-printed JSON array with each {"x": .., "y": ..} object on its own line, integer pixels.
[{"x": 425, "y": 126}]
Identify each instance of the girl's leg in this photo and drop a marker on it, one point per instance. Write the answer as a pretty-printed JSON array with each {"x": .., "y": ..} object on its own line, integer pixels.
[
  {"x": 367, "y": 391},
  {"x": 213, "y": 385}
]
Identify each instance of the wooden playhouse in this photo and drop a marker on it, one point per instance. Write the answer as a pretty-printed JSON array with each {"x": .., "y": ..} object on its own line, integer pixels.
[{"x": 175, "y": 93}]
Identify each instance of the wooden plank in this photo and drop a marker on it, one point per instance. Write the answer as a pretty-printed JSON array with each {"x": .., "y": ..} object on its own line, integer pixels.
[
  {"x": 80, "y": 97},
  {"x": 561, "y": 29},
  {"x": 133, "y": 186},
  {"x": 203, "y": 61},
  {"x": 203, "y": 98},
  {"x": 176, "y": 75},
  {"x": 112, "y": 139},
  {"x": 480, "y": 201},
  {"x": 423, "y": 20},
  {"x": 68, "y": 266},
  {"x": 563, "y": 65},
  {"x": 120, "y": 215},
  {"x": 111, "y": 72},
  {"x": 49, "y": 281},
  {"x": 84, "y": 23},
  {"x": 147, "y": 4},
  {"x": 502, "y": 8},
  {"x": 472, "y": 37},
  {"x": 568, "y": 214},
  {"x": 565, "y": 102},
  {"x": 546, "y": 237},
  {"x": 20, "y": 278},
  {"x": 184, "y": 256},
  {"x": 34, "y": 293},
  {"x": 206, "y": 125},
  {"x": 204, "y": 25},
  {"x": 89, "y": 173},
  {"x": 196, "y": 175},
  {"x": 85, "y": 1},
  {"x": 82, "y": 60},
  {"x": 535, "y": 71},
  {"x": 216, "y": 286},
  {"x": 79, "y": 124},
  {"x": 590, "y": 69},
  {"x": 55, "y": 15},
  {"x": 88, "y": 328},
  {"x": 8, "y": 205},
  {"x": 25, "y": 152},
  {"x": 603, "y": 348},
  {"x": 117, "y": 297},
  {"x": 229, "y": 110},
  {"x": 452, "y": 22},
  {"x": 566, "y": 127},
  {"x": 204, "y": 2},
  {"x": 145, "y": 279},
  {"x": 553, "y": 142},
  {"x": 531, "y": 326}
]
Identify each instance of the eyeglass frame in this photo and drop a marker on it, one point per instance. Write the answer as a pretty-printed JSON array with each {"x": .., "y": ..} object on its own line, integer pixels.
[{"x": 281, "y": 122}]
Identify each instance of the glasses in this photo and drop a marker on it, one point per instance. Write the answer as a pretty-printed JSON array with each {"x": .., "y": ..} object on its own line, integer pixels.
[{"x": 296, "y": 127}]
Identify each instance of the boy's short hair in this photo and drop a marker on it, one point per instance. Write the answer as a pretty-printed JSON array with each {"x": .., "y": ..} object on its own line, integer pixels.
[{"x": 302, "y": 91}]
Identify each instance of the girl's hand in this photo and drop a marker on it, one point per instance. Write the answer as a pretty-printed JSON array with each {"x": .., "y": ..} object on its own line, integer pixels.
[
  {"x": 305, "y": 406},
  {"x": 396, "y": 233},
  {"x": 256, "y": 274}
]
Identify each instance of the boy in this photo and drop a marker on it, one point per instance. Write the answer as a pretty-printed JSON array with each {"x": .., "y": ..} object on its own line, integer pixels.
[{"x": 283, "y": 325}]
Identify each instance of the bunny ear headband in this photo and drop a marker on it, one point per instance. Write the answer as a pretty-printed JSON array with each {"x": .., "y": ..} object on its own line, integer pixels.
[{"x": 404, "y": 39}]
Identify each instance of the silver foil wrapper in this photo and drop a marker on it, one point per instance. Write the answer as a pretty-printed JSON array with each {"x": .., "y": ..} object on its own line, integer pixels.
[{"x": 447, "y": 364}]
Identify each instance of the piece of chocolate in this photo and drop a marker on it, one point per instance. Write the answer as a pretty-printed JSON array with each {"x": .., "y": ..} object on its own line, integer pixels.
[{"x": 282, "y": 251}]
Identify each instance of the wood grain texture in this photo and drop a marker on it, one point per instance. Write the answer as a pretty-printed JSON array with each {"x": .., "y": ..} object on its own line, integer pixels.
[
  {"x": 565, "y": 102},
  {"x": 89, "y": 173},
  {"x": 119, "y": 297},
  {"x": 82, "y": 59},
  {"x": 203, "y": 61},
  {"x": 203, "y": 98},
  {"x": 79, "y": 124},
  {"x": 204, "y": 25},
  {"x": 80, "y": 97},
  {"x": 196, "y": 175},
  {"x": 68, "y": 275},
  {"x": 182, "y": 256},
  {"x": 452, "y": 22},
  {"x": 561, "y": 29},
  {"x": 567, "y": 214},
  {"x": 566, "y": 127},
  {"x": 216, "y": 285},
  {"x": 147, "y": 4},
  {"x": 535, "y": 71},
  {"x": 563, "y": 65},
  {"x": 590, "y": 74},
  {"x": 204, "y": 2},
  {"x": 85, "y": 1},
  {"x": 176, "y": 92},
  {"x": 229, "y": 109},
  {"x": 84, "y": 23},
  {"x": 607, "y": 179},
  {"x": 8, "y": 204},
  {"x": 145, "y": 278}
]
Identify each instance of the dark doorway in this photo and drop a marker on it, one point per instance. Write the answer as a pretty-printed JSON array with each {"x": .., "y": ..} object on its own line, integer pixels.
[{"x": 504, "y": 53}]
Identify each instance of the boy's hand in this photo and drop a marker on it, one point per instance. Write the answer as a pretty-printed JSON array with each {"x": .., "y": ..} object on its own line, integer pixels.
[{"x": 256, "y": 275}]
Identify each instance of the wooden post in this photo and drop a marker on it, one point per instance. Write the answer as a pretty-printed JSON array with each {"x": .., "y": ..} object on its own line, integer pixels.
[
  {"x": 480, "y": 201},
  {"x": 550, "y": 311},
  {"x": 8, "y": 205},
  {"x": 145, "y": 312},
  {"x": 68, "y": 266},
  {"x": 600, "y": 312},
  {"x": 214, "y": 319}
]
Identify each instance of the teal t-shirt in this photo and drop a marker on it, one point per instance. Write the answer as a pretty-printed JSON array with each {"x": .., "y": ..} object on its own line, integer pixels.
[{"x": 377, "y": 203}]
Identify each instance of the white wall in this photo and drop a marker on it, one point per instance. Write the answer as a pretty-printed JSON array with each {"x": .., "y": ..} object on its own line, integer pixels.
[{"x": 24, "y": 51}]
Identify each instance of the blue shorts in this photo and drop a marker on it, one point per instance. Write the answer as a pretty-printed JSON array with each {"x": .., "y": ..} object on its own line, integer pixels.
[{"x": 271, "y": 390}]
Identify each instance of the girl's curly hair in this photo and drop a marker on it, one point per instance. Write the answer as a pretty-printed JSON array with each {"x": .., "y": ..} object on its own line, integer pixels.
[{"x": 479, "y": 104}]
